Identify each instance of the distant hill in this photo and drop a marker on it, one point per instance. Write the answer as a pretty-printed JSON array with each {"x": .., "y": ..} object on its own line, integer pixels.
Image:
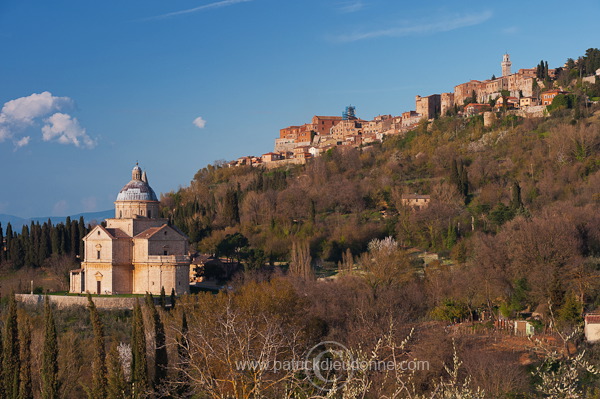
[{"x": 89, "y": 217}]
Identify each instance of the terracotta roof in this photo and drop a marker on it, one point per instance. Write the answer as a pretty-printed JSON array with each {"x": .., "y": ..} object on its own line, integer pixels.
[
  {"x": 109, "y": 232},
  {"x": 592, "y": 319},
  {"x": 149, "y": 232},
  {"x": 117, "y": 233}
]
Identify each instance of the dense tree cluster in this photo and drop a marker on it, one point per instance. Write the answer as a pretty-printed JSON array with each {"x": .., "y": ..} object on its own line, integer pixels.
[{"x": 36, "y": 243}]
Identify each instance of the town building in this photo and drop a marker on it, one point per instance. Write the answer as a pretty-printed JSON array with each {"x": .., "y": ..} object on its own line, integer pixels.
[
  {"x": 415, "y": 201},
  {"x": 137, "y": 251},
  {"x": 272, "y": 157},
  {"x": 528, "y": 102},
  {"x": 429, "y": 107},
  {"x": 591, "y": 327},
  {"x": 322, "y": 124},
  {"x": 475, "y": 109},
  {"x": 446, "y": 103},
  {"x": 548, "y": 96}
]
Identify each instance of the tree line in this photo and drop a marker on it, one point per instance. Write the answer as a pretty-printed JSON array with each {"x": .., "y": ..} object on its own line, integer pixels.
[{"x": 36, "y": 243}]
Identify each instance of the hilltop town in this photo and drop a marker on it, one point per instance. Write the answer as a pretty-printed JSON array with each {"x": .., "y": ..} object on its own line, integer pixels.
[{"x": 526, "y": 93}]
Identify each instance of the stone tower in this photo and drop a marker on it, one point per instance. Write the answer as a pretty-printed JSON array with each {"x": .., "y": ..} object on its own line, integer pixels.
[{"x": 506, "y": 64}]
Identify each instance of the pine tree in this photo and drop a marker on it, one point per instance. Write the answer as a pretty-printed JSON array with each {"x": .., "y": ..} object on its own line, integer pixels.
[
  {"x": 25, "y": 389},
  {"x": 11, "y": 360},
  {"x": 116, "y": 387},
  {"x": 161, "y": 360},
  {"x": 139, "y": 363},
  {"x": 98, "y": 390},
  {"x": 49, "y": 373}
]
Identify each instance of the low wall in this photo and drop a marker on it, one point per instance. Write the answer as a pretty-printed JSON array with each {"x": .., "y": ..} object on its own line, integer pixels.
[{"x": 63, "y": 301}]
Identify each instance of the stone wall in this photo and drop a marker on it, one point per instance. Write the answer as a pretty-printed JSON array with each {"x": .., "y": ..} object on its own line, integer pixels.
[{"x": 63, "y": 301}]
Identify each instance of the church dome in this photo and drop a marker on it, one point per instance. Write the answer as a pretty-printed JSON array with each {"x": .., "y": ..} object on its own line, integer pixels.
[{"x": 138, "y": 188}]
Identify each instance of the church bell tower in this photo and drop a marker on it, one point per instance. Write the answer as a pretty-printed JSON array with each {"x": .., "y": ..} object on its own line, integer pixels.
[{"x": 506, "y": 64}]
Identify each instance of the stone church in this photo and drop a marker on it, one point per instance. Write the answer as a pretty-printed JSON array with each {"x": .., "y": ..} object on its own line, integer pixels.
[{"x": 137, "y": 252}]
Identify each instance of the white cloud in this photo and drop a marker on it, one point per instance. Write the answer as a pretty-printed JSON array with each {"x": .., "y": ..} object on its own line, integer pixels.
[
  {"x": 90, "y": 204},
  {"x": 510, "y": 30},
  {"x": 60, "y": 208},
  {"x": 66, "y": 130},
  {"x": 217, "y": 4},
  {"x": 446, "y": 24},
  {"x": 350, "y": 6},
  {"x": 199, "y": 122},
  {"x": 22, "y": 142},
  {"x": 26, "y": 109},
  {"x": 22, "y": 113}
]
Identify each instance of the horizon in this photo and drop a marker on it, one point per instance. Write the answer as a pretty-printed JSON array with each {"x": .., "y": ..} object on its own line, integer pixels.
[{"x": 178, "y": 87}]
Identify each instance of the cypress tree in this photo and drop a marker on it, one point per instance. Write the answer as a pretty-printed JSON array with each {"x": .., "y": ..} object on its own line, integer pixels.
[
  {"x": 139, "y": 363},
  {"x": 54, "y": 239},
  {"x": 82, "y": 233},
  {"x": 25, "y": 389},
  {"x": 163, "y": 298},
  {"x": 464, "y": 182},
  {"x": 74, "y": 235},
  {"x": 98, "y": 390},
  {"x": 8, "y": 237},
  {"x": 1, "y": 368},
  {"x": 49, "y": 373},
  {"x": 116, "y": 387},
  {"x": 45, "y": 244},
  {"x": 183, "y": 351},
  {"x": 1, "y": 245},
  {"x": 454, "y": 174},
  {"x": 161, "y": 359},
  {"x": 173, "y": 298},
  {"x": 11, "y": 360},
  {"x": 515, "y": 202}
]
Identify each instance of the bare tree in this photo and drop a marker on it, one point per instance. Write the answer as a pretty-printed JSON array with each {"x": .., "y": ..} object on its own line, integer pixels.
[{"x": 301, "y": 260}]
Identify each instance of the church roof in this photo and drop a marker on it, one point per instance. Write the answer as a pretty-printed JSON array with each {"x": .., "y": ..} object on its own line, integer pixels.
[
  {"x": 138, "y": 188},
  {"x": 113, "y": 233},
  {"x": 116, "y": 233},
  {"x": 149, "y": 232}
]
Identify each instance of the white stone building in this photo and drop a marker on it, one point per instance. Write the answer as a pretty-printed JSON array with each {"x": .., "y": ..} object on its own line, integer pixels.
[{"x": 137, "y": 252}]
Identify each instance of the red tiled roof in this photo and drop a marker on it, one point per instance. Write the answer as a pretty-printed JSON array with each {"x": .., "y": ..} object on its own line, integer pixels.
[
  {"x": 117, "y": 233},
  {"x": 149, "y": 232},
  {"x": 592, "y": 319}
]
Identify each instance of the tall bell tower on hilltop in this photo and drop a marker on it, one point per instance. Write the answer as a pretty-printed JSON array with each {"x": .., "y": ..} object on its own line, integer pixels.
[{"x": 506, "y": 64}]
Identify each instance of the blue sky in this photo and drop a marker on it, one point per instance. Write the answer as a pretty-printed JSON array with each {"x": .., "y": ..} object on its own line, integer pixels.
[{"x": 87, "y": 88}]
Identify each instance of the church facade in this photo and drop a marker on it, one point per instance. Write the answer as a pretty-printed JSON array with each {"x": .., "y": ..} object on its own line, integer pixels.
[{"x": 137, "y": 252}]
